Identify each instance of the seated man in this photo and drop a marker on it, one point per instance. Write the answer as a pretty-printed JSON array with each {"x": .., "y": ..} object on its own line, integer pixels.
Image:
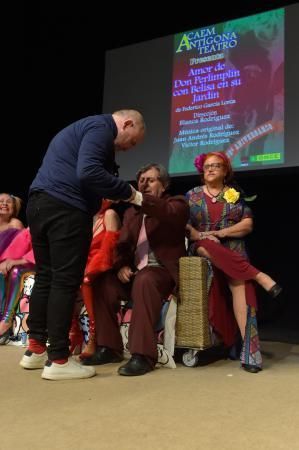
[{"x": 152, "y": 240}]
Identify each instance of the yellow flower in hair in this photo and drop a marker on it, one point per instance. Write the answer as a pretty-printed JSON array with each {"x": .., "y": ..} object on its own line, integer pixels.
[{"x": 231, "y": 195}]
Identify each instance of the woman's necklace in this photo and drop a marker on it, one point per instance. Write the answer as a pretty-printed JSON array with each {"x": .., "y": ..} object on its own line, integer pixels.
[{"x": 214, "y": 197}]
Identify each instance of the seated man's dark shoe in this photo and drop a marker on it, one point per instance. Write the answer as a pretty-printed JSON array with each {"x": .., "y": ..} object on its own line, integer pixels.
[
  {"x": 137, "y": 365},
  {"x": 275, "y": 290},
  {"x": 251, "y": 369},
  {"x": 102, "y": 355}
]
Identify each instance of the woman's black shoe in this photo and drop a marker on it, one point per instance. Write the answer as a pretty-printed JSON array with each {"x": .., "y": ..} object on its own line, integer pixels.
[
  {"x": 275, "y": 290},
  {"x": 251, "y": 369}
]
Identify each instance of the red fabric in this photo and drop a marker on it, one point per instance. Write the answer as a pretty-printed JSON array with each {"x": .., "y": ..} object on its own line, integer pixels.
[
  {"x": 101, "y": 252},
  {"x": 230, "y": 262},
  {"x": 94, "y": 249},
  {"x": 60, "y": 361},
  {"x": 88, "y": 294},
  {"x": 221, "y": 315},
  {"x": 36, "y": 346},
  {"x": 100, "y": 259},
  {"x": 215, "y": 210}
]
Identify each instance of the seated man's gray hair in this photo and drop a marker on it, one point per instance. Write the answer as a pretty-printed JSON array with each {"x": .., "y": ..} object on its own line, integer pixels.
[{"x": 163, "y": 174}]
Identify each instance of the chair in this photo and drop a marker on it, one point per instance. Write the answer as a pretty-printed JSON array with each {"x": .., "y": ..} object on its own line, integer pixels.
[{"x": 192, "y": 324}]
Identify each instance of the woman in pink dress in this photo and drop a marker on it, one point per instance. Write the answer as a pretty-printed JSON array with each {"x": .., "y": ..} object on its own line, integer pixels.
[
  {"x": 220, "y": 219},
  {"x": 9, "y": 224},
  {"x": 16, "y": 262}
]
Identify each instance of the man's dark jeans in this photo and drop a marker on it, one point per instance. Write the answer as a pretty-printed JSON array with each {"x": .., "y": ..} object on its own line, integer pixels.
[{"x": 61, "y": 236}]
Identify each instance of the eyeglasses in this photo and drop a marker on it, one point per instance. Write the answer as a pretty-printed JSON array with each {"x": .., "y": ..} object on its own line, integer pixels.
[
  {"x": 6, "y": 201},
  {"x": 213, "y": 166}
]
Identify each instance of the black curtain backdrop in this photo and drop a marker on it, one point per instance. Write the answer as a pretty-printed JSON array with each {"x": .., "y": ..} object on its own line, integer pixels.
[{"x": 64, "y": 53}]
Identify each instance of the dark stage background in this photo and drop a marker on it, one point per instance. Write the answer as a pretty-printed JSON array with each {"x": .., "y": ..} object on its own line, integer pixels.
[{"x": 64, "y": 63}]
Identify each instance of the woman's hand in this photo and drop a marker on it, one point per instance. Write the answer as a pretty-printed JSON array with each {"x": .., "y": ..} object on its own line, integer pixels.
[
  {"x": 195, "y": 235},
  {"x": 6, "y": 266},
  {"x": 212, "y": 238},
  {"x": 238, "y": 230},
  {"x": 220, "y": 234}
]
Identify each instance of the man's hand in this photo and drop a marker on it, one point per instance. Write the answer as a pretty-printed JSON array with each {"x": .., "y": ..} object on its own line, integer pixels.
[
  {"x": 136, "y": 197},
  {"x": 125, "y": 274},
  {"x": 137, "y": 200},
  {"x": 132, "y": 195}
]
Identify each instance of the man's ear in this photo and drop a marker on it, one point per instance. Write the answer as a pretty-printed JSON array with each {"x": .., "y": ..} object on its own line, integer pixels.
[{"x": 128, "y": 123}]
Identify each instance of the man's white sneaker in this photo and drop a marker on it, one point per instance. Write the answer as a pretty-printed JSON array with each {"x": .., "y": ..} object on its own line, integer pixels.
[
  {"x": 32, "y": 360},
  {"x": 68, "y": 371}
]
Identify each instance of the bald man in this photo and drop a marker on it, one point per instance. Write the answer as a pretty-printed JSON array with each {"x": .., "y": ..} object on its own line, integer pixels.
[{"x": 77, "y": 171}]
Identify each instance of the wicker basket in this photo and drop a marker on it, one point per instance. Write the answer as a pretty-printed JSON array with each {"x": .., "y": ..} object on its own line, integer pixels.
[{"x": 192, "y": 325}]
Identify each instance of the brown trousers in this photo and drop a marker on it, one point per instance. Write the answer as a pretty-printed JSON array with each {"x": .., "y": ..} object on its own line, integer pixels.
[{"x": 147, "y": 290}]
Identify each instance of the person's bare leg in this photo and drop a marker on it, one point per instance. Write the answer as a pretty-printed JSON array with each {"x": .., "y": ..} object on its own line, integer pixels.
[
  {"x": 201, "y": 251},
  {"x": 237, "y": 289},
  {"x": 265, "y": 281}
]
